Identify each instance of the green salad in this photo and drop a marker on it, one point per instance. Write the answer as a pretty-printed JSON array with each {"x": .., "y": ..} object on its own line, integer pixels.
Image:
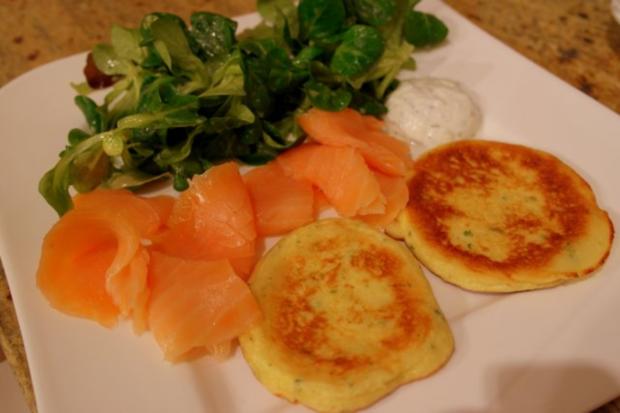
[{"x": 186, "y": 97}]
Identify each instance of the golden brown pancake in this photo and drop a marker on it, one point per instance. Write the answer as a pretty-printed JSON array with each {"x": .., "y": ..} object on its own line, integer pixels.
[
  {"x": 348, "y": 317},
  {"x": 491, "y": 216}
]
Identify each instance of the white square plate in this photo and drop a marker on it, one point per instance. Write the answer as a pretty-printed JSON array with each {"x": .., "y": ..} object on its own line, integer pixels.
[{"x": 555, "y": 350}]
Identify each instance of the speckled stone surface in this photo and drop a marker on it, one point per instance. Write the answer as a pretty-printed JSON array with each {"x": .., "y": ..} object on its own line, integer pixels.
[
  {"x": 577, "y": 40},
  {"x": 11, "y": 342}
]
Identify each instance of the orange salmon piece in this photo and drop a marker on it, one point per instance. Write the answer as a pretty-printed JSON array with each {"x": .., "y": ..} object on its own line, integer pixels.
[
  {"x": 280, "y": 202},
  {"x": 320, "y": 202},
  {"x": 396, "y": 193},
  {"x": 93, "y": 264},
  {"x": 340, "y": 173},
  {"x": 212, "y": 219},
  {"x": 163, "y": 205},
  {"x": 76, "y": 255},
  {"x": 121, "y": 202},
  {"x": 244, "y": 266},
  {"x": 349, "y": 128},
  {"x": 373, "y": 123},
  {"x": 126, "y": 276},
  {"x": 377, "y": 135},
  {"x": 197, "y": 305}
]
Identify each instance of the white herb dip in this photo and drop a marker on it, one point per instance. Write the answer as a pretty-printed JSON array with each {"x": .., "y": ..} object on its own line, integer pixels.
[{"x": 431, "y": 111}]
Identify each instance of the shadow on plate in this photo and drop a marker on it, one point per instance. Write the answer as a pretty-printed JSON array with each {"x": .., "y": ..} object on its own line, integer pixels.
[{"x": 560, "y": 387}]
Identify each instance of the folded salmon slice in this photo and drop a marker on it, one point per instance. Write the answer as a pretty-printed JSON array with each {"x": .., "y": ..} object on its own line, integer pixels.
[
  {"x": 376, "y": 133},
  {"x": 396, "y": 193},
  {"x": 93, "y": 263},
  {"x": 76, "y": 254},
  {"x": 340, "y": 173},
  {"x": 280, "y": 202},
  {"x": 162, "y": 205},
  {"x": 124, "y": 204},
  {"x": 197, "y": 305},
  {"x": 321, "y": 203},
  {"x": 349, "y": 128},
  {"x": 212, "y": 219},
  {"x": 244, "y": 266}
]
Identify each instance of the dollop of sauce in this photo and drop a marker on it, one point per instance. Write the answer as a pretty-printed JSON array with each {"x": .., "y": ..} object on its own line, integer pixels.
[{"x": 432, "y": 111}]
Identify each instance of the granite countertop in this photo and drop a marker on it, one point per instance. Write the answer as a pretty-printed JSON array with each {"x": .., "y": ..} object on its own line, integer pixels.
[{"x": 577, "y": 40}]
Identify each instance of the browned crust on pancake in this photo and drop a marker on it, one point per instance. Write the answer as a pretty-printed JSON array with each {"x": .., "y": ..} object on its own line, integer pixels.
[
  {"x": 348, "y": 317},
  {"x": 302, "y": 329},
  {"x": 476, "y": 166},
  {"x": 612, "y": 235}
]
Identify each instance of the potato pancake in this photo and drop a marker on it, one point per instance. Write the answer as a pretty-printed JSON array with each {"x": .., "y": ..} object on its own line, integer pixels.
[
  {"x": 348, "y": 317},
  {"x": 498, "y": 217}
]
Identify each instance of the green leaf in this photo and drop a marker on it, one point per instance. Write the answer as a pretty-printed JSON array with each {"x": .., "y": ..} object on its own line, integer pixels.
[
  {"x": 389, "y": 65},
  {"x": 374, "y": 12},
  {"x": 214, "y": 34},
  {"x": 126, "y": 43},
  {"x": 282, "y": 134},
  {"x": 410, "y": 64},
  {"x": 259, "y": 47},
  {"x": 262, "y": 154},
  {"x": 236, "y": 115},
  {"x": 167, "y": 30},
  {"x": 54, "y": 185},
  {"x": 92, "y": 113},
  {"x": 180, "y": 183},
  {"x": 56, "y": 191},
  {"x": 258, "y": 97},
  {"x": 113, "y": 142},
  {"x": 361, "y": 47},
  {"x": 89, "y": 169},
  {"x": 162, "y": 50},
  {"x": 228, "y": 78},
  {"x": 322, "y": 73},
  {"x": 220, "y": 147},
  {"x": 76, "y": 136},
  {"x": 108, "y": 62},
  {"x": 283, "y": 76},
  {"x": 174, "y": 154},
  {"x": 131, "y": 178},
  {"x": 170, "y": 118},
  {"x": 320, "y": 18},
  {"x": 124, "y": 96},
  {"x": 322, "y": 97},
  {"x": 269, "y": 9},
  {"x": 367, "y": 104},
  {"x": 306, "y": 55},
  {"x": 240, "y": 112},
  {"x": 162, "y": 106},
  {"x": 423, "y": 29},
  {"x": 82, "y": 88}
]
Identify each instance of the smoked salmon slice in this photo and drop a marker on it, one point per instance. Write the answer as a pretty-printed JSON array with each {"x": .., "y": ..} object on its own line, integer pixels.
[
  {"x": 280, "y": 202},
  {"x": 349, "y": 128},
  {"x": 162, "y": 204},
  {"x": 244, "y": 266},
  {"x": 83, "y": 256},
  {"x": 212, "y": 219},
  {"x": 376, "y": 133},
  {"x": 126, "y": 276},
  {"x": 320, "y": 202},
  {"x": 340, "y": 173},
  {"x": 396, "y": 193},
  {"x": 197, "y": 305},
  {"x": 93, "y": 264},
  {"x": 122, "y": 203}
]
